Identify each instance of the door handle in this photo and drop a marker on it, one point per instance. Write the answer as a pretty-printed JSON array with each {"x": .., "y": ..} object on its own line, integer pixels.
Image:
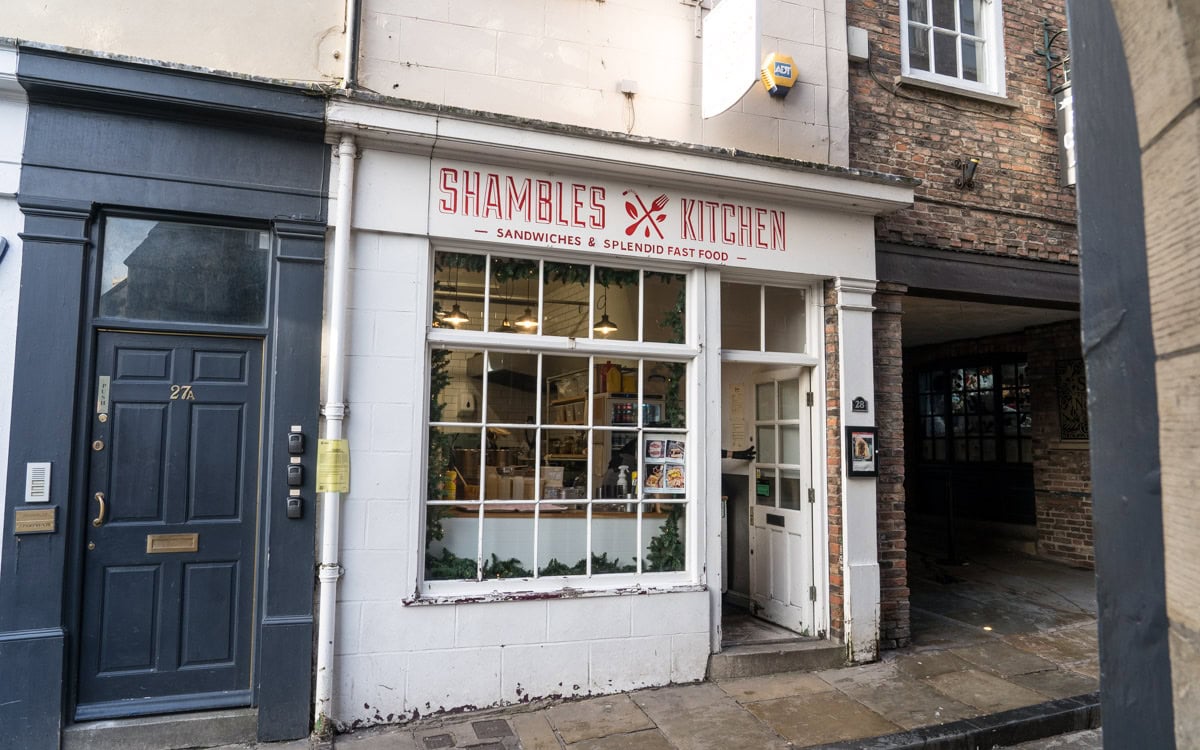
[{"x": 98, "y": 521}]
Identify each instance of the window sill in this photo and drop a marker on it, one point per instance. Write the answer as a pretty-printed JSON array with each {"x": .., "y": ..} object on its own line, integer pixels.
[
  {"x": 567, "y": 592},
  {"x": 1002, "y": 101}
]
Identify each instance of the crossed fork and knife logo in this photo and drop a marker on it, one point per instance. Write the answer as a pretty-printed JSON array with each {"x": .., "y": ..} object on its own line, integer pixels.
[{"x": 646, "y": 218}]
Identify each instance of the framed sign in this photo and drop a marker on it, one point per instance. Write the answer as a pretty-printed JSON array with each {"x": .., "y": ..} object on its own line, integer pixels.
[{"x": 861, "y": 452}]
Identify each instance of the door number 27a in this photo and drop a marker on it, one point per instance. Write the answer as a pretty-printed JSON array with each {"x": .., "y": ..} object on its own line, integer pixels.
[{"x": 183, "y": 392}]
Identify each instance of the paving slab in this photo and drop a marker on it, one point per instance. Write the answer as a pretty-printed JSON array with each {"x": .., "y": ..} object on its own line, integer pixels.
[
  {"x": 931, "y": 630},
  {"x": 374, "y": 739},
  {"x": 1061, "y": 647},
  {"x": 704, "y": 717},
  {"x": 597, "y": 717},
  {"x": 863, "y": 674},
  {"x": 1004, "y": 659},
  {"x": 769, "y": 687},
  {"x": 929, "y": 663},
  {"x": 907, "y": 702},
  {"x": 1057, "y": 683},
  {"x": 650, "y": 739},
  {"x": 534, "y": 731},
  {"x": 984, "y": 690},
  {"x": 826, "y": 717}
]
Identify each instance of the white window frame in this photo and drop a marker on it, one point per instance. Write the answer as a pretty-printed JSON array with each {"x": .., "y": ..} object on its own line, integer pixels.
[
  {"x": 434, "y": 591},
  {"x": 990, "y": 32}
]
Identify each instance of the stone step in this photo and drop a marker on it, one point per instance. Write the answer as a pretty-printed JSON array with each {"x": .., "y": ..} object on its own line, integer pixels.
[
  {"x": 169, "y": 732},
  {"x": 772, "y": 658}
]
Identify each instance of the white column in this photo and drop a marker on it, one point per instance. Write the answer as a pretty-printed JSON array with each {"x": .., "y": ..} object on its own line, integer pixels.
[{"x": 860, "y": 552}]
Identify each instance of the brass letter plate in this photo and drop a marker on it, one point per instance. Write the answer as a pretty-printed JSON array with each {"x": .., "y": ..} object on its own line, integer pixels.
[
  {"x": 40, "y": 521},
  {"x": 163, "y": 543}
]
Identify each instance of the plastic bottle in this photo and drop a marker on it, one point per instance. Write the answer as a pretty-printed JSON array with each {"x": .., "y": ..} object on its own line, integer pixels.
[{"x": 622, "y": 481}]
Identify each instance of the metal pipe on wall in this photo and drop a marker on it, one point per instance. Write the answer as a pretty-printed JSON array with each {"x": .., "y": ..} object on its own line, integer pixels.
[
  {"x": 334, "y": 411},
  {"x": 350, "y": 69}
]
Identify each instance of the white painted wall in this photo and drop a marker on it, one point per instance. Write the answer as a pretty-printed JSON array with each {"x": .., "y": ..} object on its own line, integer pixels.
[
  {"x": 283, "y": 39},
  {"x": 13, "y": 109},
  {"x": 562, "y": 61}
]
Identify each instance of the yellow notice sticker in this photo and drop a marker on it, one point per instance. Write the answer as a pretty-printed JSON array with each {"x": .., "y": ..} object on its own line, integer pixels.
[{"x": 333, "y": 466}]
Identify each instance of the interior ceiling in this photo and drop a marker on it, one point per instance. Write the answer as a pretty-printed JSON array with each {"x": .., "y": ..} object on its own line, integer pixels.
[{"x": 934, "y": 321}]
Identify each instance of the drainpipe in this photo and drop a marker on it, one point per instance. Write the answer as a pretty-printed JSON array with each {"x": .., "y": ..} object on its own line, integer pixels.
[
  {"x": 334, "y": 411},
  {"x": 350, "y": 71}
]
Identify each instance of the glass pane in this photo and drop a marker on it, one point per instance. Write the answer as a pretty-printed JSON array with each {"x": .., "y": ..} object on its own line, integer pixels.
[
  {"x": 968, "y": 15},
  {"x": 939, "y": 450},
  {"x": 791, "y": 492},
  {"x": 974, "y": 453},
  {"x": 511, "y": 280},
  {"x": 784, "y": 319},
  {"x": 1010, "y": 451},
  {"x": 458, "y": 291},
  {"x": 565, "y": 382},
  {"x": 918, "y": 11},
  {"x": 766, "y": 444},
  {"x": 562, "y": 539},
  {"x": 789, "y": 399},
  {"x": 989, "y": 450},
  {"x": 985, "y": 378},
  {"x": 927, "y": 449},
  {"x": 945, "y": 59},
  {"x": 165, "y": 270},
  {"x": 790, "y": 445},
  {"x": 614, "y": 538},
  {"x": 452, "y": 542},
  {"x": 1026, "y": 450},
  {"x": 616, "y": 464},
  {"x": 740, "y": 317},
  {"x": 620, "y": 378},
  {"x": 566, "y": 299},
  {"x": 664, "y": 536},
  {"x": 764, "y": 401},
  {"x": 943, "y": 14},
  {"x": 616, "y": 296},
  {"x": 511, "y": 395},
  {"x": 970, "y": 59},
  {"x": 458, "y": 450},
  {"x": 508, "y": 541},
  {"x": 764, "y": 488},
  {"x": 567, "y": 452},
  {"x": 666, "y": 308},
  {"x": 664, "y": 394},
  {"x": 453, "y": 395},
  {"x": 918, "y": 48}
]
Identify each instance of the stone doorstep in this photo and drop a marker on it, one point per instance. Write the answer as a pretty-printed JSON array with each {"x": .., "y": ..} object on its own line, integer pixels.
[
  {"x": 763, "y": 659},
  {"x": 166, "y": 732},
  {"x": 1001, "y": 729}
]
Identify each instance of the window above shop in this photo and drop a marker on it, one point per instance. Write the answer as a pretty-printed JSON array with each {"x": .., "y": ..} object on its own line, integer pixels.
[
  {"x": 956, "y": 43},
  {"x": 553, "y": 461},
  {"x": 762, "y": 318}
]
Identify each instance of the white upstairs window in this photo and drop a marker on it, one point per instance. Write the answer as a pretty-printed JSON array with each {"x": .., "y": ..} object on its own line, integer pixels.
[{"x": 957, "y": 43}]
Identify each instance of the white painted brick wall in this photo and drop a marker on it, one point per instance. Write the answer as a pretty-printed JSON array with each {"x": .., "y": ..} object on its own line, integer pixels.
[
  {"x": 394, "y": 660},
  {"x": 561, "y": 61}
]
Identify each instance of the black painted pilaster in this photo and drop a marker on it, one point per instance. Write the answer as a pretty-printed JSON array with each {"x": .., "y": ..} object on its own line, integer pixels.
[{"x": 54, "y": 261}]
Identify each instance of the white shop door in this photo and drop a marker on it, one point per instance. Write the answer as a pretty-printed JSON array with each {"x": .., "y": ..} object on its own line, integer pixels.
[{"x": 783, "y": 504}]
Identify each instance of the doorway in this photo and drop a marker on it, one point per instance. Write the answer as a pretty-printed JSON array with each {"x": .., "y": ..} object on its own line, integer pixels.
[{"x": 169, "y": 547}]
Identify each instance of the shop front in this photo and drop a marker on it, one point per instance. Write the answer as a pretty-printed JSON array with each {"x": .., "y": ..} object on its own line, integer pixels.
[{"x": 598, "y": 388}]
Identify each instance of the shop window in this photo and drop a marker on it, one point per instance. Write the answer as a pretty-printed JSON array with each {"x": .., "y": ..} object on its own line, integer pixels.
[
  {"x": 955, "y": 42},
  {"x": 975, "y": 414},
  {"x": 546, "y": 463},
  {"x": 186, "y": 273},
  {"x": 761, "y": 318}
]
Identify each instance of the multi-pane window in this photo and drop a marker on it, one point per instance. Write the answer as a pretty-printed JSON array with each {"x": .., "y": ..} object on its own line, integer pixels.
[
  {"x": 954, "y": 41},
  {"x": 975, "y": 414},
  {"x": 547, "y": 460}
]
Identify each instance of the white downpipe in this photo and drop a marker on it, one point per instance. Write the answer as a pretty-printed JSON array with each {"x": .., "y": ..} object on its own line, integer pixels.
[{"x": 334, "y": 411}]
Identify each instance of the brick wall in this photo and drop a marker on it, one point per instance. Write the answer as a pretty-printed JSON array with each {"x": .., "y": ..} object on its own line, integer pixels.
[
  {"x": 833, "y": 473},
  {"x": 894, "y": 631},
  {"x": 1017, "y": 208},
  {"x": 1062, "y": 470}
]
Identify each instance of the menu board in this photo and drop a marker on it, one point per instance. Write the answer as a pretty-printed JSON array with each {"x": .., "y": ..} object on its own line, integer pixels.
[{"x": 666, "y": 472}]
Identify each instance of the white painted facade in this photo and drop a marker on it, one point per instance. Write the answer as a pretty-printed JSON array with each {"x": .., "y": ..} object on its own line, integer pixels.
[
  {"x": 13, "y": 110},
  {"x": 406, "y": 647},
  {"x": 564, "y": 61},
  {"x": 297, "y": 40}
]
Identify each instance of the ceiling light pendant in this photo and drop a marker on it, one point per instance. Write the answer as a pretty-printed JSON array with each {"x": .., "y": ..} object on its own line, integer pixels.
[
  {"x": 605, "y": 326},
  {"x": 527, "y": 322},
  {"x": 456, "y": 316}
]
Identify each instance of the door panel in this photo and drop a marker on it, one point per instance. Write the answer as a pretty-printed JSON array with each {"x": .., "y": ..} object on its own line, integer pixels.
[
  {"x": 781, "y": 517},
  {"x": 169, "y": 565}
]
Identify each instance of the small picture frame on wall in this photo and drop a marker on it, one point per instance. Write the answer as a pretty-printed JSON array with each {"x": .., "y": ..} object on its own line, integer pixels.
[{"x": 862, "y": 452}]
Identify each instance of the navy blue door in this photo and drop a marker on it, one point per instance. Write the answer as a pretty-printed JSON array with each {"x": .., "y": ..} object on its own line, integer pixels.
[{"x": 172, "y": 502}]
